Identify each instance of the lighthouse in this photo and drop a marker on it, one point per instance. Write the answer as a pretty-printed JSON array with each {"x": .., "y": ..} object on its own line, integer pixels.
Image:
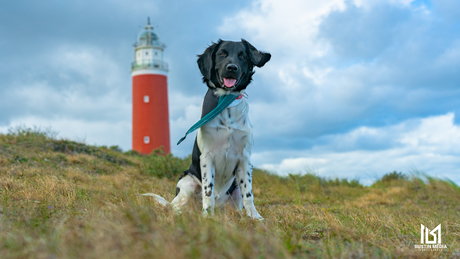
[{"x": 150, "y": 94}]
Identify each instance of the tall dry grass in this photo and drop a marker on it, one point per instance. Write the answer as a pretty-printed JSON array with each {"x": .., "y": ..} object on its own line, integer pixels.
[{"x": 63, "y": 199}]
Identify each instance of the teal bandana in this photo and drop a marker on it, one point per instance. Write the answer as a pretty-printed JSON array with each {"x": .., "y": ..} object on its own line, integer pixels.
[{"x": 224, "y": 102}]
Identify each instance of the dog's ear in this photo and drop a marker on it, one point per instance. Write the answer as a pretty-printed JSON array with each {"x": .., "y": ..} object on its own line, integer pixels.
[
  {"x": 205, "y": 61},
  {"x": 258, "y": 58}
]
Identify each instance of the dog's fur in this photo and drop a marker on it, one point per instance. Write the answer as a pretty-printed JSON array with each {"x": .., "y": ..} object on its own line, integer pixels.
[{"x": 221, "y": 172}]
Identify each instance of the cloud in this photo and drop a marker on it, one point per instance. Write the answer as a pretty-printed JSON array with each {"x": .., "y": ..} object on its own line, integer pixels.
[
  {"x": 101, "y": 132},
  {"x": 427, "y": 145},
  {"x": 70, "y": 91}
]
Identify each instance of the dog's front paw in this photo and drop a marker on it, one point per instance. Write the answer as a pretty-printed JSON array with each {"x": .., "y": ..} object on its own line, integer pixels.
[
  {"x": 258, "y": 217},
  {"x": 208, "y": 212},
  {"x": 254, "y": 214}
]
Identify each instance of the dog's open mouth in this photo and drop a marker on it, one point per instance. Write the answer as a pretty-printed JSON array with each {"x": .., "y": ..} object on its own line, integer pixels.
[{"x": 229, "y": 82}]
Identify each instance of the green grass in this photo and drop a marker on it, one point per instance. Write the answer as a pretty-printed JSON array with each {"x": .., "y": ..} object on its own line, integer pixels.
[{"x": 64, "y": 199}]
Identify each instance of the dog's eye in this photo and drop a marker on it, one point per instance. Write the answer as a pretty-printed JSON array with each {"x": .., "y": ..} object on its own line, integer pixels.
[
  {"x": 223, "y": 54},
  {"x": 242, "y": 57}
]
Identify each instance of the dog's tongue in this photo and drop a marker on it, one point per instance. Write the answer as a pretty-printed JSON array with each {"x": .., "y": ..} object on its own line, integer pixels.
[{"x": 229, "y": 82}]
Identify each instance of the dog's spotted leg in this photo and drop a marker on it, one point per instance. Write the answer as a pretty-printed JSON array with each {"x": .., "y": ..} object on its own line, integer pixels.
[
  {"x": 207, "y": 183},
  {"x": 244, "y": 178}
]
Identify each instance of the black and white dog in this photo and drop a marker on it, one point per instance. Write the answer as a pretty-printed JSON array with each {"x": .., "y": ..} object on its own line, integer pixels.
[{"x": 221, "y": 172}]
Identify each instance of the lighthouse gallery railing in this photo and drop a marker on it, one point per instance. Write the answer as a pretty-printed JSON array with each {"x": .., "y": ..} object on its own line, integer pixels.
[{"x": 158, "y": 64}]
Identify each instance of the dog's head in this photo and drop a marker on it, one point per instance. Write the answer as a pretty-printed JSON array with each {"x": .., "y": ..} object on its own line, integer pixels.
[{"x": 228, "y": 65}]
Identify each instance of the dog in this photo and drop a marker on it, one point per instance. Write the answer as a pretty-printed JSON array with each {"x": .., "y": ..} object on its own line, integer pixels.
[{"x": 221, "y": 172}]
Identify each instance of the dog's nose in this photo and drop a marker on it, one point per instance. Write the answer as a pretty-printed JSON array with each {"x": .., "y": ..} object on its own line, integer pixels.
[{"x": 232, "y": 67}]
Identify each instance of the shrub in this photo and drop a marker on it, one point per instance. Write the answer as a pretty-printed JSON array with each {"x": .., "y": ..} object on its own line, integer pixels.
[
  {"x": 393, "y": 178},
  {"x": 164, "y": 165}
]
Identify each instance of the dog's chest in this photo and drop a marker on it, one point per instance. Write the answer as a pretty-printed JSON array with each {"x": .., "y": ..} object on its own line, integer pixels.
[
  {"x": 230, "y": 133},
  {"x": 227, "y": 139}
]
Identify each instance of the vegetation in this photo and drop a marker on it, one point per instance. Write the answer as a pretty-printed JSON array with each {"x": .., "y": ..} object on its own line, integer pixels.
[{"x": 64, "y": 199}]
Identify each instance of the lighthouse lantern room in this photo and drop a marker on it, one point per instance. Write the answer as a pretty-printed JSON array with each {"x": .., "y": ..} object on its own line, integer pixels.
[{"x": 150, "y": 94}]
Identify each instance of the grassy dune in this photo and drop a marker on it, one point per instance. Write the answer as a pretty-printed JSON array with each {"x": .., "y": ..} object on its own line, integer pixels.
[{"x": 62, "y": 199}]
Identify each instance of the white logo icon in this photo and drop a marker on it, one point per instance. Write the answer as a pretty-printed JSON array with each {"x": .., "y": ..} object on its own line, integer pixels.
[
  {"x": 430, "y": 240},
  {"x": 424, "y": 238}
]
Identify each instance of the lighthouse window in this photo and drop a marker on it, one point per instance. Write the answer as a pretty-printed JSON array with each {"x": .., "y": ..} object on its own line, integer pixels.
[
  {"x": 146, "y": 139},
  {"x": 146, "y": 53},
  {"x": 156, "y": 53},
  {"x": 146, "y": 99}
]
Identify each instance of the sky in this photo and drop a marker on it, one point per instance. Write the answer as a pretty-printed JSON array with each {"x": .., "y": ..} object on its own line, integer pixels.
[{"x": 355, "y": 88}]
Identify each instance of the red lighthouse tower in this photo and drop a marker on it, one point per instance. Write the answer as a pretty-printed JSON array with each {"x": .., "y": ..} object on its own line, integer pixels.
[{"x": 150, "y": 94}]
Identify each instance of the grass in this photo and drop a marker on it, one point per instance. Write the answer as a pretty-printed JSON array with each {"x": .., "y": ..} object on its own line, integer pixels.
[{"x": 64, "y": 199}]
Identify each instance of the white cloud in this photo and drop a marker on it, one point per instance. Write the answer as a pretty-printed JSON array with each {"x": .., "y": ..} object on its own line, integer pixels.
[
  {"x": 430, "y": 145},
  {"x": 283, "y": 25},
  {"x": 85, "y": 98},
  {"x": 371, "y": 3},
  {"x": 91, "y": 132},
  {"x": 190, "y": 115},
  {"x": 88, "y": 69}
]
